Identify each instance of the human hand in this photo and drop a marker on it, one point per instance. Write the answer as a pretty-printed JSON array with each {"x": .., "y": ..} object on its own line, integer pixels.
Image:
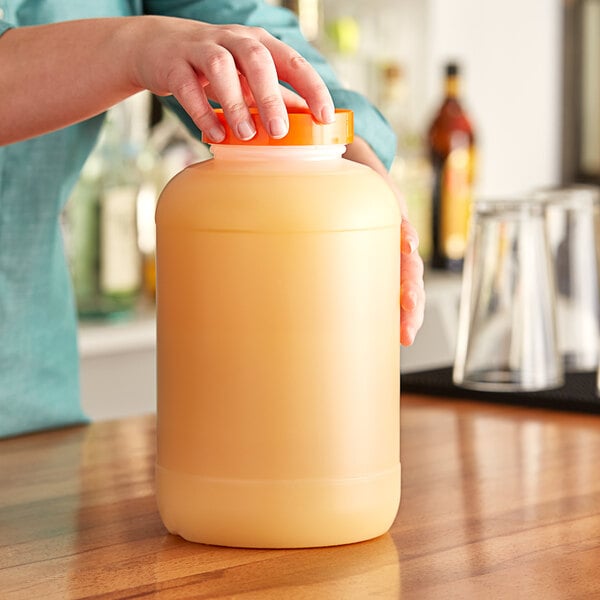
[
  {"x": 234, "y": 65},
  {"x": 412, "y": 288}
]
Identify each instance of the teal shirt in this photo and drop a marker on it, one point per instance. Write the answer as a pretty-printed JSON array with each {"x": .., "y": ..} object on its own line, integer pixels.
[{"x": 39, "y": 380}]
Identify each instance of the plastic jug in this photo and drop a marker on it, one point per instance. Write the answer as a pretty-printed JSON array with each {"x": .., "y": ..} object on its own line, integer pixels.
[{"x": 278, "y": 283}]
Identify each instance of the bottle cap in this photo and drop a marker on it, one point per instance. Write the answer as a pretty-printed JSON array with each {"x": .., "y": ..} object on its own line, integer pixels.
[
  {"x": 451, "y": 69},
  {"x": 304, "y": 130}
]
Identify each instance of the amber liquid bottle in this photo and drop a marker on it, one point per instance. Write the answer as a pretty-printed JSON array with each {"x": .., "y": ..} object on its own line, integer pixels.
[{"x": 452, "y": 153}]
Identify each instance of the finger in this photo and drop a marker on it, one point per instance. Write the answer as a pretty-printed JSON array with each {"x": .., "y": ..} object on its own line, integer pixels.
[
  {"x": 412, "y": 268},
  {"x": 246, "y": 93},
  {"x": 258, "y": 68},
  {"x": 410, "y": 238},
  {"x": 290, "y": 98},
  {"x": 409, "y": 297},
  {"x": 219, "y": 68},
  {"x": 185, "y": 86},
  {"x": 411, "y": 319},
  {"x": 407, "y": 335},
  {"x": 297, "y": 71}
]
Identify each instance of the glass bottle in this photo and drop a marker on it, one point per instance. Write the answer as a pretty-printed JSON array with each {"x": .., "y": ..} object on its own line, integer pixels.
[
  {"x": 451, "y": 143},
  {"x": 102, "y": 226}
]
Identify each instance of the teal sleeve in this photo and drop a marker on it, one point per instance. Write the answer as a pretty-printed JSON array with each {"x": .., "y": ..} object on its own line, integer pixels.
[
  {"x": 4, "y": 26},
  {"x": 369, "y": 123}
]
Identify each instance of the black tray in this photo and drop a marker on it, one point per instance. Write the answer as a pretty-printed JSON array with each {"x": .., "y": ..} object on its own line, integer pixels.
[{"x": 577, "y": 394}]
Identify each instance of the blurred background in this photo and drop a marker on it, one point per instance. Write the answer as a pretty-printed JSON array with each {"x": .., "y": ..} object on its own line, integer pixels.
[{"x": 529, "y": 85}]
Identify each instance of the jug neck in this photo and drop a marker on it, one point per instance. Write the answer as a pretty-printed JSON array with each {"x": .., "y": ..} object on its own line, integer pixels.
[{"x": 275, "y": 153}]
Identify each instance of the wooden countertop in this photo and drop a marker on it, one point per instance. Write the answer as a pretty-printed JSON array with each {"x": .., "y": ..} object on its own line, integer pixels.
[{"x": 497, "y": 502}]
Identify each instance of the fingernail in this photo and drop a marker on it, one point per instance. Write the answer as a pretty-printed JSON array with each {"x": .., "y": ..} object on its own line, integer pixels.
[
  {"x": 216, "y": 134},
  {"x": 328, "y": 115},
  {"x": 410, "y": 244},
  {"x": 246, "y": 130},
  {"x": 277, "y": 127}
]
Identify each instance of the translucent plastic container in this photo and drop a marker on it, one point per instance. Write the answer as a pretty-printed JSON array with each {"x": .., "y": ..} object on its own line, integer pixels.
[{"x": 278, "y": 283}]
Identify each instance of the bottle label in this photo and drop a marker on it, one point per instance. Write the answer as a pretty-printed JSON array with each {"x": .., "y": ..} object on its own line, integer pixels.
[
  {"x": 120, "y": 270},
  {"x": 456, "y": 200}
]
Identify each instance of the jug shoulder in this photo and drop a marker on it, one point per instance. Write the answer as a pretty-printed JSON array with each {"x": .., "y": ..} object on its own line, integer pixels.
[{"x": 342, "y": 197}]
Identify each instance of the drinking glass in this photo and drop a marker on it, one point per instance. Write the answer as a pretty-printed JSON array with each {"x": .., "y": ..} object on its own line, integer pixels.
[
  {"x": 573, "y": 222},
  {"x": 507, "y": 327}
]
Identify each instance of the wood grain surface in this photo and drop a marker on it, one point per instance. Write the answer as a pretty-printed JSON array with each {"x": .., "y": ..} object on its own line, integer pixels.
[{"x": 497, "y": 502}]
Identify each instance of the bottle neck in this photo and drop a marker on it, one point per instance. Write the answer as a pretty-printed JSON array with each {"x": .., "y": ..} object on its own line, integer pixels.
[
  {"x": 452, "y": 86},
  {"x": 273, "y": 153}
]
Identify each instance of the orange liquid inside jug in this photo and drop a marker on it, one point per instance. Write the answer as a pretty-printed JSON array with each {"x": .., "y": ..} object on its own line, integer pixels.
[{"x": 278, "y": 281}]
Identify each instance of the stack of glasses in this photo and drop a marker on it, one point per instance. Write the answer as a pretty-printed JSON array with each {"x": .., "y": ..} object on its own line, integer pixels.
[{"x": 530, "y": 308}]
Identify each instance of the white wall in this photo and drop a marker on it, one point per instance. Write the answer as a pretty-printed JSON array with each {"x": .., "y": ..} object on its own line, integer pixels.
[{"x": 511, "y": 54}]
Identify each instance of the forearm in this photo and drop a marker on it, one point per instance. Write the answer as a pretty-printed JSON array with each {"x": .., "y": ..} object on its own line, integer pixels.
[{"x": 58, "y": 74}]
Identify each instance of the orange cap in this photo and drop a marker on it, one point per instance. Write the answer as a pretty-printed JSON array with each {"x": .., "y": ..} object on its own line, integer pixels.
[{"x": 304, "y": 130}]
